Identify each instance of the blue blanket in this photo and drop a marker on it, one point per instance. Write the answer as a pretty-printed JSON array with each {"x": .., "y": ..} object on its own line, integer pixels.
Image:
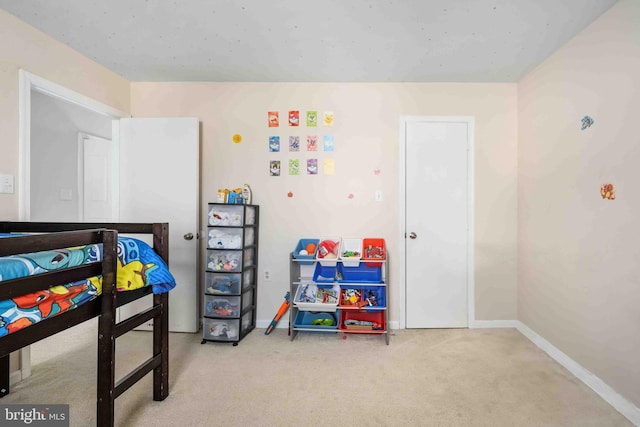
[{"x": 138, "y": 266}]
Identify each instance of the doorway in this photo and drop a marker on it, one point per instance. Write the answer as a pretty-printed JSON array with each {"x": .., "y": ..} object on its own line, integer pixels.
[
  {"x": 50, "y": 118},
  {"x": 436, "y": 156}
]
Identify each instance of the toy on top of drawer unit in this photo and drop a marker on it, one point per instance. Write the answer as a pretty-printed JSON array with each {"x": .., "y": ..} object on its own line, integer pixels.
[
  {"x": 224, "y": 217},
  {"x": 221, "y": 239}
]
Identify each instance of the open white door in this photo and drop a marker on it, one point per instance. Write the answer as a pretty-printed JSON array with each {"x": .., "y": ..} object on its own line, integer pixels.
[{"x": 159, "y": 182}]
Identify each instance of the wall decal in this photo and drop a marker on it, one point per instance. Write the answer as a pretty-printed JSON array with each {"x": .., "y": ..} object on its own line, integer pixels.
[
  {"x": 312, "y": 166},
  {"x": 607, "y": 191},
  {"x": 274, "y": 168},
  {"x": 312, "y": 118},
  {"x": 274, "y": 120},
  {"x": 237, "y": 138},
  {"x": 328, "y": 142},
  {"x": 376, "y": 172},
  {"x": 350, "y": 196},
  {"x": 294, "y": 143},
  {"x": 289, "y": 194},
  {"x": 294, "y": 167},
  {"x": 294, "y": 118},
  {"x": 274, "y": 144},
  {"x": 586, "y": 122},
  {"x": 328, "y": 119},
  {"x": 329, "y": 166},
  {"x": 312, "y": 143}
]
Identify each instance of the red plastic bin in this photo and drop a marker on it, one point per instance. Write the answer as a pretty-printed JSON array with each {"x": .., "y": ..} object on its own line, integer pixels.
[
  {"x": 373, "y": 248},
  {"x": 364, "y": 321}
]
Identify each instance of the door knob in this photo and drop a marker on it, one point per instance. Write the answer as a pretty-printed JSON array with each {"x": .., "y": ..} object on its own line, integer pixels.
[
  {"x": 412, "y": 235},
  {"x": 188, "y": 236}
]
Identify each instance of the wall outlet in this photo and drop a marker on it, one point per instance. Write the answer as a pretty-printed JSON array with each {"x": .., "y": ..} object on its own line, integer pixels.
[{"x": 267, "y": 276}]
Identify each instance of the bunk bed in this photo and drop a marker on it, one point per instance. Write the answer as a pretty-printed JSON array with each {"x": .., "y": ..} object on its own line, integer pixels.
[{"x": 32, "y": 237}]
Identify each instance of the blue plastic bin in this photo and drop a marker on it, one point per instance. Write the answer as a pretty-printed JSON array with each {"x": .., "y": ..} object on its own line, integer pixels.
[
  {"x": 306, "y": 319},
  {"x": 324, "y": 273},
  {"x": 302, "y": 244},
  {"x": 360, "y": 274}
]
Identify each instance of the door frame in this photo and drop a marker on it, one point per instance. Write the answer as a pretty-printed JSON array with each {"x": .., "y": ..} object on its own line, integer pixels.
[
  {"x": 402, "y": 256},
  {"x": 29, "y": 82}
]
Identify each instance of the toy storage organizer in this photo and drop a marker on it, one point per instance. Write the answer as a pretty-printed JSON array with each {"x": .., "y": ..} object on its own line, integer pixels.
[
  {"x": 229, "y": 311},
  {"x": 347, "y": 294}
]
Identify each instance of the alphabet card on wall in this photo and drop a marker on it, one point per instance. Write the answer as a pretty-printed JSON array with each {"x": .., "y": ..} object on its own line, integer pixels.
[
  {"x": 294, "y": 143},
  {"x": 294, "y": 118},
  {"x": 329, "y": 166},
  {"x": 294, "y": 167},
  {"x": 312, "y": 166},
  {"x": 312, "y": 118},
  {"x": 274, "y": 120},
  {"x": 312, "y": 143},
  {"x": 274, "y": 168},
  {"x": 328, "y": 142},
  {"x": 328, "y": 119},
  {"x": 274, "y": 144}
]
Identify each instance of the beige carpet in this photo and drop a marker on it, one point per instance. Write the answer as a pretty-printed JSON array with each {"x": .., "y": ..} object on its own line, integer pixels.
[{"x": 456, "y": 377}]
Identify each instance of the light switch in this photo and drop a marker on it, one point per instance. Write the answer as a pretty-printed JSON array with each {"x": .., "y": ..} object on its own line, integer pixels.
[
  {"x": 379, "y": 196},
  {"x": 6, "y": 184}
]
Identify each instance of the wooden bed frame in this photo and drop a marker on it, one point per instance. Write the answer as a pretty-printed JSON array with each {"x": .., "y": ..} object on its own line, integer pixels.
[{"x": 63, "y": 235}]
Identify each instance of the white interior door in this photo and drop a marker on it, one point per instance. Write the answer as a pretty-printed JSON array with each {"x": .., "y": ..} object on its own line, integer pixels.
[
  {"x": 437, "y": 225},
  {"x": 95, "y": 178},
  {"x": 159, "y": 182}
]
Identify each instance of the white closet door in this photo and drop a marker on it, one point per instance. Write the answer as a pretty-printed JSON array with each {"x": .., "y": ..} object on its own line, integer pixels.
[{"x": 437, "y": 224}]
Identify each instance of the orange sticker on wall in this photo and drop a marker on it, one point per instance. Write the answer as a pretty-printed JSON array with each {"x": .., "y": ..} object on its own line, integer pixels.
[
  {"x": 607, "y": 191},
  {"x": 237, "y": 138}
]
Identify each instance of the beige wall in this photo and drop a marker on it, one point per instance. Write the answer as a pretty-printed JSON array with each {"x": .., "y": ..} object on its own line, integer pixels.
[
  {"x": 23, "y": 47},
  {"x": 366, "y": 135},
  {"x": 578, "y": 281}
]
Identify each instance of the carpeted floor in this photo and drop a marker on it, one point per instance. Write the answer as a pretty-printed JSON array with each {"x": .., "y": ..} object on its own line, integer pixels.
[{"x": 453, "y": 377}]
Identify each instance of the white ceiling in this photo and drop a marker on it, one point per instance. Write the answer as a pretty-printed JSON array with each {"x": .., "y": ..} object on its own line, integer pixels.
[{"x": 313, "y": 41}]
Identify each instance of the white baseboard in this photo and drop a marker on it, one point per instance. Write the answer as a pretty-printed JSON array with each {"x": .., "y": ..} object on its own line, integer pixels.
[
  {"x": 621, "y": 404},
  {"x": 485, "y": 324},
  {"x": 15, "y": 377}
]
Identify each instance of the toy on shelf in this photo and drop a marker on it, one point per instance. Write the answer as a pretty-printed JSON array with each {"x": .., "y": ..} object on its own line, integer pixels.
[
  {"x": 222, "y": 307},
  {"x": 351, "y": 296},
  {"x": 220, "y": 239},
  {"x": 220, "y": 285},
  {"x": 374, "y": 252},
  {"x": 224, "y": 217},
  {"x": 223, "y": 262},
  {"x": 222, "y": 330},
  {"x": 370, "y": 299},
  {"x": 328, "y": 249},
  {"x": 307, "y": 294},
  {"x": 326, "y": 296},
  {"x": 362, "y": 324}
]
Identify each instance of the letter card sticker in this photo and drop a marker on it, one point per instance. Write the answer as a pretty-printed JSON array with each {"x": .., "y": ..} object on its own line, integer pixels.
[{"x": 274, "y": 120}]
